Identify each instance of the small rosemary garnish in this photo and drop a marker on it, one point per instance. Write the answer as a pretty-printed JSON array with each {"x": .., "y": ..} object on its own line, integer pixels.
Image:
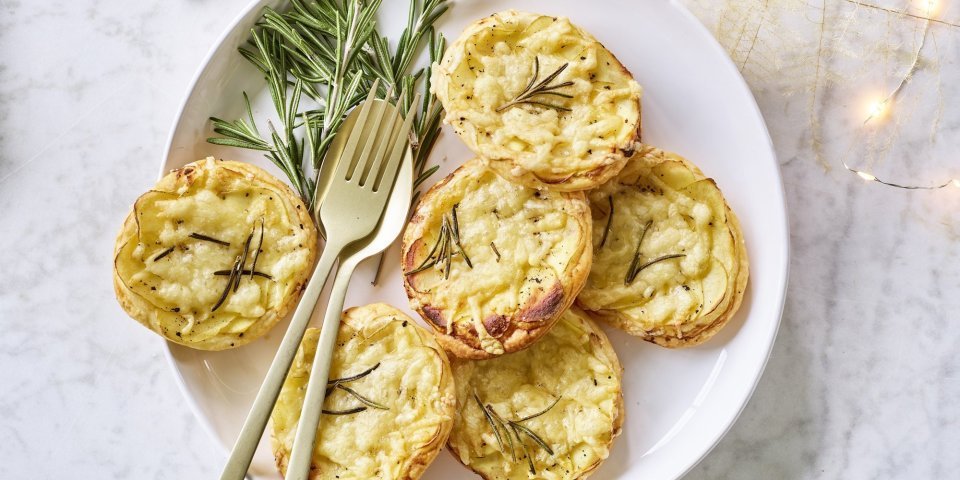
[
  {"x": 495, "y": 251},
  {"x": 535, "y": 89},
  {"x": 344, "y": 412},
  {"x": 443, "y": 252},
  {"x": 338, "y": 384},
  {"x": 226, "y": 291},
  {"x": 243, "y": 261},
  {"x": 658, "y": 260},
  {"x": 163, "y": 254},
  {"x": 635, "y": 266},
  {"x": 251, "y": 273},
  {"x": 200, "y": 236},
  {"x": 516, "y": 427},
  {"x": 606, "y": 230},
  {"x": 256, "y": 253},
  {"x": 237, "y": 272}
]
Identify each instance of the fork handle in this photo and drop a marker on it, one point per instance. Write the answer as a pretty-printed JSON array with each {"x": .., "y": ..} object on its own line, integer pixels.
[
  {"x": 253, "y": 427},
  {"x": 298, "y": 468}
]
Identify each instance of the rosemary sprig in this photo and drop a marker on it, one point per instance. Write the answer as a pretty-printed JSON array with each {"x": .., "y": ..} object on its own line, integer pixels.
[
  {"x": 446, "y": 247},
  {"x": 635, "y": 266},
  {"x": 236, "y": 273},
  {"x": 331, "y": 51},
  {"x": 517, "y": 428},
  {"x": 536, "y": 89},
  {"x": 606, "y": 230},
  {"x": 338, "y": 384},
  {"x": 200, "y": 236}
]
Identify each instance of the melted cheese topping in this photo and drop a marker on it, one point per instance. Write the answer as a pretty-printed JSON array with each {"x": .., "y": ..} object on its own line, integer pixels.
[
  {"x": 521, "y": 242},
  {"x": 688, "y": 216},
  {"x": 413, "y": 381},
  {"x": 579, "y": 428},
  {"x": 492, "y": 63},
  {"x": 226, "y": 201}
]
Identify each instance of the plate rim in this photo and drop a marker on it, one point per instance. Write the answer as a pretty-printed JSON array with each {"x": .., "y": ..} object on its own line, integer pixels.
[
  {"x": 784, "y": 279},
  {"x": 784, "y": 262}
]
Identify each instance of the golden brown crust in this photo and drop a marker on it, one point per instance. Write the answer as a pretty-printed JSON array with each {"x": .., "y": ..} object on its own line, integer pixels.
[
  {"x": 572, "y": 168},
  {"x": 366, "y": 321},
  {"x": 156, "y": 319},
  {"x": 519, "y": 326},
  {"x": 708, "y": 322},
  {"x": 601, "y": 351}
]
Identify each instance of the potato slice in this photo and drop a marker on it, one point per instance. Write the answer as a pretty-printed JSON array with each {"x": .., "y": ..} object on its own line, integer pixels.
[
  {"x": 572, "y": 374},
  {"x": 672, "y": 225},
  {"x": 403, "y": 371},
  {"x": 525, "y": 256},
  {"x": 574, "y": 134},
  {"x": 178, "y": 245}
]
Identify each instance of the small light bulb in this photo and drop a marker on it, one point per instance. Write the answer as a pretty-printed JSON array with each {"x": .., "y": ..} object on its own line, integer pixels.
[
  {"x": 956, "y": 182},
  {"x": 927, "y": 7},
  {"x": 866, "y": 176},
  {"x": 878, "y": 108}
]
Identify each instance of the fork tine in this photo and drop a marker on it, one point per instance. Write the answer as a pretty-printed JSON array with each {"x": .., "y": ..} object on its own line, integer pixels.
[
  {"x": 348, "y": 159},
  {"x": 387, "y": 173},
  {"x": 385, "y": 141},
  {"x": 374, "y": 138}
]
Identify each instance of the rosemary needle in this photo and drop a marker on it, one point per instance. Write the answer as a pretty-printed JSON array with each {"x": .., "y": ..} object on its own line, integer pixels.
[
  {"x": 344, "y": 412},
  {"x": 364, "y": 400},
  {"x": 636, "y": 255},
  {"x": 635, "y": 267},
  {"x": 226, "y": 291},
  {"x": 163, "y": 254},
  {"x": 490, "y": 420},
  {"x": 456, "y": 237},
  {"x": 256, "y": 253},
  {"x": 337, "y": 383},
  {"x": 243, "y": 261},
  {"x": 495, "y": 251},
  {"x": 200, "y": 236},
  {"x": 657, "y": 260},
  {"x": 251, "y": 273},
  {"x": 354, "y": 377},
  {"x": 606, "y": 230}
]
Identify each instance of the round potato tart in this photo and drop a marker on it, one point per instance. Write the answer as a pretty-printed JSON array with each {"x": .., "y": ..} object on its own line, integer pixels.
[
  {"x": 550, "y": 411},
  {"x": 214, "y": 255},
  {"x": 540, "y": 100},
  {"x": 490, "y": 264},
  {"x": 391, "y": 402},
  {"x": 670, "y": 263}
]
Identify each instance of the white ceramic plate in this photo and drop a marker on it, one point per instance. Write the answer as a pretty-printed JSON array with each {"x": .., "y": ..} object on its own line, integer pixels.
[{"x": 679, "y": 403}]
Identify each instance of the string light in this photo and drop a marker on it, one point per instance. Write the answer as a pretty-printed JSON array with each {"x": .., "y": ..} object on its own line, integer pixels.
[{"x": 880, "y": 107}]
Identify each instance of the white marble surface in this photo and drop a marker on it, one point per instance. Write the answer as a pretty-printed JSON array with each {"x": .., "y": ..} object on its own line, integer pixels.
[{"x": 863, "y": 381}]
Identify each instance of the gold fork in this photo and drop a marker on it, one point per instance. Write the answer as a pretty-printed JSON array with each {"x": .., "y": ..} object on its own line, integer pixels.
[
  {"x": 391, "y": 225},
  {"x": 351, "y": 207}
]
